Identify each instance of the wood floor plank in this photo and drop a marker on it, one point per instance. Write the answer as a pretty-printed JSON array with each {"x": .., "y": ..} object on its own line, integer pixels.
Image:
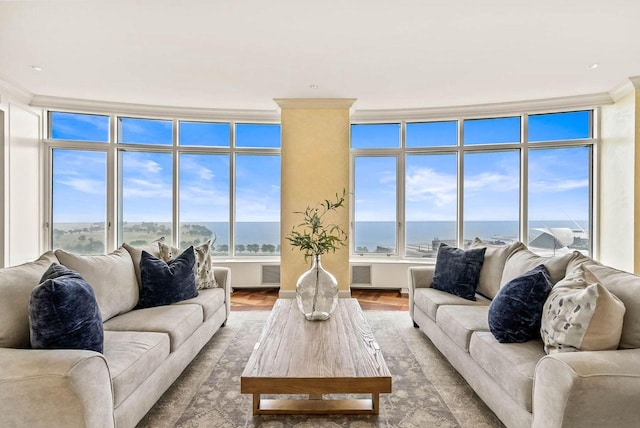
[{"x": 260, "y": 299}]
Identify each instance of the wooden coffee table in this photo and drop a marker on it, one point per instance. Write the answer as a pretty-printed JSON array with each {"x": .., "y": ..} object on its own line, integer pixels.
[{"x": 296, "y": 356}]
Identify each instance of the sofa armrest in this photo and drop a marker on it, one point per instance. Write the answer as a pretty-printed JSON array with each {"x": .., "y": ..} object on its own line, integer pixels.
[
  {"x": 45, "y": 388},
  {"x": 223, "y": 278},
  {"x": 419, "y": 277},
  {"x": 587, "y": 389}
]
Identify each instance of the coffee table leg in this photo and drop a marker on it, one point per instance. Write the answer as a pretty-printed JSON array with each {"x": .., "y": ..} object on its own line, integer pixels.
[
  {"x": 256, "y": 403},
  {"x": 375, "y": 403}
]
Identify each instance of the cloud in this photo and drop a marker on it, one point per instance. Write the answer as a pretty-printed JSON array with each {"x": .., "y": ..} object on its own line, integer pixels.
[
  {"x": 133, "y": 163},
  {"x": 558, "y": 185},
  {"x": 427, "y": 185},
  {"x": 85, "y": 185},
  {"x": 138, "y": 188},
  {"x": 491, "y": 182}
]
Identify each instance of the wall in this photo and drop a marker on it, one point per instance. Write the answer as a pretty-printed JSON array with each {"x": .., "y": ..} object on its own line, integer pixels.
[
  {"x": 315, "y": 166},
  {"x": 619, "y": 218},
  {"x": 21, "y": 181}
]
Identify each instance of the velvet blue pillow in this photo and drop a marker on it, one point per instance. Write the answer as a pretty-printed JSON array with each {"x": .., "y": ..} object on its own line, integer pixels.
[
  {"x": 458, "y": 271},
  {"x": 63, "y": 312},
  {"x": 165, "y": 283},
  {"x": 515, "y": 313}
]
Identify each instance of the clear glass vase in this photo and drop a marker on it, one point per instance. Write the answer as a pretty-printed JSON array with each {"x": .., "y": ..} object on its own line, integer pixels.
[{"x": 317, "y": 292}]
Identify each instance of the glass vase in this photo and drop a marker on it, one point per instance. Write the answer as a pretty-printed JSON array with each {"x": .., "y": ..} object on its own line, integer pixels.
[{"x": 317, "y": 292}]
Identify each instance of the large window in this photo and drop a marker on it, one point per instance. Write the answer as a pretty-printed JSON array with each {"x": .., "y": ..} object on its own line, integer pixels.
[
  {"x": 474, "y": 178},
  {"x": 185, "y": 180}
]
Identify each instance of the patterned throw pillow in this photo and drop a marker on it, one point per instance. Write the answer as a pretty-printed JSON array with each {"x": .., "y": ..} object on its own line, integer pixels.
[
  {"x": 166, "y": 283},
  {"x": 63, "y": 312},
  {"x": 202, "y": 268},
  {"x": 458, "y": 271},
  {"x": 515, "y": 313},
  {"x": 581, "y": 315}
]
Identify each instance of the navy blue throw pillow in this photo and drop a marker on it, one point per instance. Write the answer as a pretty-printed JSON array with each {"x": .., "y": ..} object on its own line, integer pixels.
[
  {"x": 63, "y": 312},
  {"x": 515, "y": 313},
  {"x": 165, "y": 283},
  {"x": 458, "y": 271}
]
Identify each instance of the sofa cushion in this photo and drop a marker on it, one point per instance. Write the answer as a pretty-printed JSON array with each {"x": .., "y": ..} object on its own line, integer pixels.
[
  {"x": 136, "y": 255},
  {"x": 522, "y": 261},
  {"x": 178, "y": 321},
  {"x": 626, "y": 287},
  {"x": 511, "y": 365},
  {"x": 202, "y": 269},
  {"x": 495, "y": 258},
  {"x": 132, "y": 357},
  {"x": 112, "y": 277},
  {"x": 515, "y": 313},
  {"x": 430, "y": 299},
  {"x": 164, "y": 283},
  {"x": 581, "y": 315},
  {"x": 457, "y": 271},
  {"x": 459, "y": 322},
  {"x": 16, "y": 284},
  {"x": 209, "y": 299},
  {"x": 63, "y": 312}
]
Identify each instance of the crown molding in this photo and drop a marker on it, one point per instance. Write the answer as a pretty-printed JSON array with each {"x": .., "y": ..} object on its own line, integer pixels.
[
  {"x": 14, "y": 91},
  {"x": 61, "y": 103},
  {"x": 315, "y": 103},
  {"x": 631, "y": 84},
  {"x": 484, "y": 110}
]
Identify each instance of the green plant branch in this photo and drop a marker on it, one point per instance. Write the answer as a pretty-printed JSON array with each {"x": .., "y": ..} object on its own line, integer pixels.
[{"x": 312, "y": 236}]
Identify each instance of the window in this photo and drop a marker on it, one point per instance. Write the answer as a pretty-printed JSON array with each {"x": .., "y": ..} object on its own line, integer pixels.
[
  {"x": 473, "y": 177},
  {"x": 79, "y": 196},
  {"x": 375, "y": 207},
  {"x": 185, "y": 180},
  {"x": 146, "y": 198}
]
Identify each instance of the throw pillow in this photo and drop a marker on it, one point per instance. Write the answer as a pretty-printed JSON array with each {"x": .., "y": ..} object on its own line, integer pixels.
[
  {"x": 63, "y": 312},
  {"x": 202, "y": 268},
  {"x": 165, "y": 283},
  {"x": 494, "y": 260},
  {"x": 579, "y": 316},
  {"x": 522, "y": 261},
  {"x": 457, "y": 271},
  {"x": 515, "y": 313},
  {"x": 136, "y": 254}
]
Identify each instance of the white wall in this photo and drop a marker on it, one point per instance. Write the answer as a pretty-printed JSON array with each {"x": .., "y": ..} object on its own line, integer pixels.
[
  {"x": 617, "y": 176},
  {"x": 21, "y": 204}
]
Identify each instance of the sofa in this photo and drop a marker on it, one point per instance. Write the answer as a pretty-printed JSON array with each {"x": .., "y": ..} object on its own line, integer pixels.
[
  {"x": 522, "y": 384},
  {"x": 145, "y": 350}
]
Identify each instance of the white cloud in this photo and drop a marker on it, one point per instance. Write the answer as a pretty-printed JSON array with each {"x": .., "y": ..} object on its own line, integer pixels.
[
  {"x": 138, "y": 188},
  {"x": 491, "y": 182},
  {"x": 558, "y": 185},
  {"x": 427, "y": 185},
  {"x": 142, "y": 165},
  {"x": 84, "y": 185}
]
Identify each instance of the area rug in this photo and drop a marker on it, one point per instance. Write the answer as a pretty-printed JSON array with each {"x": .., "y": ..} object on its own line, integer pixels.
[{"x": 427, "y": 391}]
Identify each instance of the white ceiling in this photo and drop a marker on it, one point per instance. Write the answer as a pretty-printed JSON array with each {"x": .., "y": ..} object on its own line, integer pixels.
[{"x": 241, "y": 54}]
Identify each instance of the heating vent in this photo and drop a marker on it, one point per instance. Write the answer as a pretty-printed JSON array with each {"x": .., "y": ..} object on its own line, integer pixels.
[
  {"x": 271, "y": 274},
  {"x": 361, "y": 274}
]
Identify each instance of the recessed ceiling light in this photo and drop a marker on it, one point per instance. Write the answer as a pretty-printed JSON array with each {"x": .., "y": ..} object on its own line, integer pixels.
[
  {"x": 36, "y": 68},
  {"x": 594, "y": 65},
  {"x": 313, "y": 86}
]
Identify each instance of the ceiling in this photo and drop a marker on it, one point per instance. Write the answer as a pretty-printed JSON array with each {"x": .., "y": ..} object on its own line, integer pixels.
[{"x": 241, "y": 54}]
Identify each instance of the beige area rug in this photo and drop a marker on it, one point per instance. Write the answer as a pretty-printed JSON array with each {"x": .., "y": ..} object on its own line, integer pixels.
[{"x": 427, "y": 391}]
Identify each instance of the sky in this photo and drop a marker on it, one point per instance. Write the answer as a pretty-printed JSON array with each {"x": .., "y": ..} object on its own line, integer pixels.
[{"x": 558, "y": 178}]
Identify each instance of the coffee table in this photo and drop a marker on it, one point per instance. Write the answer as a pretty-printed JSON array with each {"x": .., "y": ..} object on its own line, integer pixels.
[{"x": 296, "y": 356}]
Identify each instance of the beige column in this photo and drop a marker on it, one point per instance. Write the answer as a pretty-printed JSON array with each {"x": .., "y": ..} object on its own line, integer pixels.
[{"x": 315, "y": 166}]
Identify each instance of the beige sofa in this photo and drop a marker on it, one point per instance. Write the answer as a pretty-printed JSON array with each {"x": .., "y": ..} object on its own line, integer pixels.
[
  {"x": 518, "y": 381},
  {"x": 145, "y": 350}
]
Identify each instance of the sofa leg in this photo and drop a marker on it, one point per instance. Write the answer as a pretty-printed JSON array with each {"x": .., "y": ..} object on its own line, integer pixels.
[{"x": 415, "y": 325}]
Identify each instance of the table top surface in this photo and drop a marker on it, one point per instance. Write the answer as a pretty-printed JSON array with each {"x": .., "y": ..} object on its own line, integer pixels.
[{"x": 292, "y": 347}]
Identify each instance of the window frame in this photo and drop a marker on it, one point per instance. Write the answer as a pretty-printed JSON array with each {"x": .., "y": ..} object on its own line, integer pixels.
[
  {"x": 460, "y": 149},
  {"x": 113, "y": 148}
]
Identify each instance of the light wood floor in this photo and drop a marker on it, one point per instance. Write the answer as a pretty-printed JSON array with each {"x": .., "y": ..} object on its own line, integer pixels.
[{"x": 249, "y": 299}]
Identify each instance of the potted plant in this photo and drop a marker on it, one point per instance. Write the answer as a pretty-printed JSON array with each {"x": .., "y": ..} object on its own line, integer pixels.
[{"x": 317, "y": 289}]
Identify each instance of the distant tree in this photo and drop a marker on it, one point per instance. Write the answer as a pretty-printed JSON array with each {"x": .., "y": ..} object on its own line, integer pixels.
[
  {"x": 240, "y": 248},
  {"x": 268, "y": 248},
  {"x": 224, "y": 248},
  {"x": 138, "y": 242},
  {"x": 82, "y": 238},
  {"x": 362, "y": 250},
  {"x": 57, "y": 233},
  {"x": 254, "y": 248}
]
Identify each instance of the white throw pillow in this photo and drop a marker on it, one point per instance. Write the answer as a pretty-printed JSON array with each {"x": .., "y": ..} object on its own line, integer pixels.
[
  {"x": 202, "y": 268},
  {"x": 495, "y": 258},
  {"x": 581, "y": 315}
]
